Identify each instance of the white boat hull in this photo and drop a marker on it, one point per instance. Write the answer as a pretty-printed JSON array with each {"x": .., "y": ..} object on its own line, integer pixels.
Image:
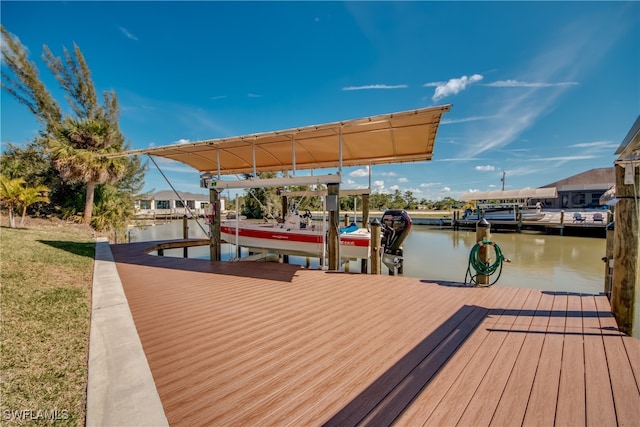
[{"x": 304, "y": 241}]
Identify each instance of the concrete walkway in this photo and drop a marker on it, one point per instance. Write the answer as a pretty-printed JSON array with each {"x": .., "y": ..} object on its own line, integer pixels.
[{"x": 121, "y": 390}]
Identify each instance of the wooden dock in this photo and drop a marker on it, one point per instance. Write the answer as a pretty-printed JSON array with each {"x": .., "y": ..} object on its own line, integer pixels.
[{"x": 270, "y": 344}]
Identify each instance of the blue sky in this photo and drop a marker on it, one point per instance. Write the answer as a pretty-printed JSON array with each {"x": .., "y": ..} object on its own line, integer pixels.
[{"x": 540, "y": 90}]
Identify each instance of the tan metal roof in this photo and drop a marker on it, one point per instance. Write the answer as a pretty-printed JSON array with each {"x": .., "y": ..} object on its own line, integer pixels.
[
  {"x": 406, "y": 136},
  {"x": 528, "y": 193}
]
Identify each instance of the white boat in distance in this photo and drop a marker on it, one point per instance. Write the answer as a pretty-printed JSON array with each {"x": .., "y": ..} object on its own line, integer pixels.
[
  {"x": 503, "y": 212},
  {"x": 296, "y": 236}
]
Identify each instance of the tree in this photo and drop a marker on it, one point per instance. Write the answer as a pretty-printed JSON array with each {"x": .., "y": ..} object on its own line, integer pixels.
[
  {"x": 14, "y": 194},
  {"x": 30, "y": 196},
  {"x": 260, "y": 202},
  {"x": 410, "y": 200},
  {"x": 397, "y": 202},
  {"x": 79, "y": 144},
  {"x": 10, "y": 190},
  {"x": 76, "y": 146}
]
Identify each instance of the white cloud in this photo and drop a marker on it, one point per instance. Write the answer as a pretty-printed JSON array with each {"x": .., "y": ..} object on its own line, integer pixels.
[
  {"x": 446, "y": 190},
  {"x": 570, "y": 54},
  {"x": 485, "y": 168},
  {"x": 429, "y": 184},
  {"x": 456, "y": 159},
  {"x": 465, "y": 119},
  {"x": 378, "y": 186},
  {"x": 253, "y": 95},
  {"x": 560, "y": 160},
  {"x": 516, "y": 83},
  {"x": 182, "y": 141},
  {"x": 388, "y": 174},
  {"x": 359, "y": 173},
  {"x": 128, "y": 34},
  {"x": 402, "y": 180},
  {"x": 378, "y": 86},
  {"x": 453, "y": 86},
  {"x": 595, "y": 145}
]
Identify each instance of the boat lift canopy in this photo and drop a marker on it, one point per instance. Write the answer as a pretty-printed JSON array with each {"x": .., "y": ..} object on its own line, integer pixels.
[
  {"x": 528, "y": 193},
  {"x": 407, "y": 136}
]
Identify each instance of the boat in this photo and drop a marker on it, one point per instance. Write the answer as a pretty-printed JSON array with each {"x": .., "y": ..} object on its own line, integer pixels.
[
  {"x": 504, "y": 212},
  {"x": 297, "y": 235}
]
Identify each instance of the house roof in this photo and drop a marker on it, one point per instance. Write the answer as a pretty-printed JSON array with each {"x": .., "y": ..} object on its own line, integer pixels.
[
  {"x": 527, "y": 193},
  {"x": 629, "y": 149},
  {"x": 593, "y": 179},
  {"x": 389, "y": 138}
]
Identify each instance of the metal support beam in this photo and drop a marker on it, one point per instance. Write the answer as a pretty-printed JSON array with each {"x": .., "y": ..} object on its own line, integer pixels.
[{"x": 274, "y": 182}]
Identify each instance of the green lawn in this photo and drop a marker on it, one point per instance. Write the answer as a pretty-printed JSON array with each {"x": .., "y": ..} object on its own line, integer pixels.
[{"x": 46, "y": 275}]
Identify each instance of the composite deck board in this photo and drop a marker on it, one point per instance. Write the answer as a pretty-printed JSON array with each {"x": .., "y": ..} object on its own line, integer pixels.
[
  {"x": 571, "y": 391},
  {"x": 623, "y": 384},
  {"x": 464, "y": 368},
  {"x": 253, "y": 343},
  {"x": 600, "y": 409},
  {"x": 482, "y": 406},
  {"x": 512, "y": 407}
]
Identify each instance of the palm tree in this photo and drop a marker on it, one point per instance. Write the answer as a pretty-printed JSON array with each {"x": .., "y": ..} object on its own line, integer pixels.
[
  {"x": 30, "y": 196},
  {"x": 77, "y": 143},
  {"x": 77, "y": 148},
  {"x": 10, "y": 190},
  {"x": 14, "y": 193}
]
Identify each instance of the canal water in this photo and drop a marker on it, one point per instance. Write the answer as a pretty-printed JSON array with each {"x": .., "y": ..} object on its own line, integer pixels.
[{"x": 538, "y": 261}]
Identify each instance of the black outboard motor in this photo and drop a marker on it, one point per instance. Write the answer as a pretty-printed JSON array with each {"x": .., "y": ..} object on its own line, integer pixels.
[{"x": 396, "y": 225}]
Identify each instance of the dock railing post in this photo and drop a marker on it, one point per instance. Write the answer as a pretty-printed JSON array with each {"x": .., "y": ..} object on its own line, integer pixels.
[
  {"x": 376, "y": 243},
  {"x": 483, "y": 232}
]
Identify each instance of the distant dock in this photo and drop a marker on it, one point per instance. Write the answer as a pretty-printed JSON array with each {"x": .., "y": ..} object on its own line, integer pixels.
[{"x": 572, "y": 222}]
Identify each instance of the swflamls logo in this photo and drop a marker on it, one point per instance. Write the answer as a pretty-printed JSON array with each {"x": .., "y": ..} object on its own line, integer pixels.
[{"x": 35, "y": 414}]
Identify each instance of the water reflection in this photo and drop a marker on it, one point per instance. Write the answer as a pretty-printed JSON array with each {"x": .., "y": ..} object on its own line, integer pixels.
[
  {"x": 539, "y": 261},
  {"x": 548, "y": 262}
]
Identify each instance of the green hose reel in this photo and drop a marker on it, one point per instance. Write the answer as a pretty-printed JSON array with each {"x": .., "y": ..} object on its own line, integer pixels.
[{"x": 482, "y": 267}]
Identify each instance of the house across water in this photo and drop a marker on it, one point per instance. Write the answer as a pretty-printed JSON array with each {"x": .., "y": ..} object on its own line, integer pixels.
[
  {"x": 580, "y": 191},
  {"x": 168, "y": 204}
]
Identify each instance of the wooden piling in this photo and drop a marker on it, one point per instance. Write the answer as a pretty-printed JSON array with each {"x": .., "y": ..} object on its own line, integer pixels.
[
  {"x": 365, "y": 223},
  {"x": 333, "y": 190},
  {"x": 365, "y": 210},
  {"x": 608, "y": 261},
  {"x": 626, "y": 262},
  {"x": 562, "y": 222},
  {"x": 483, "y": 232},
  {"x": 215, "y": 250},
  {"x": 376, "y": 244}
]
